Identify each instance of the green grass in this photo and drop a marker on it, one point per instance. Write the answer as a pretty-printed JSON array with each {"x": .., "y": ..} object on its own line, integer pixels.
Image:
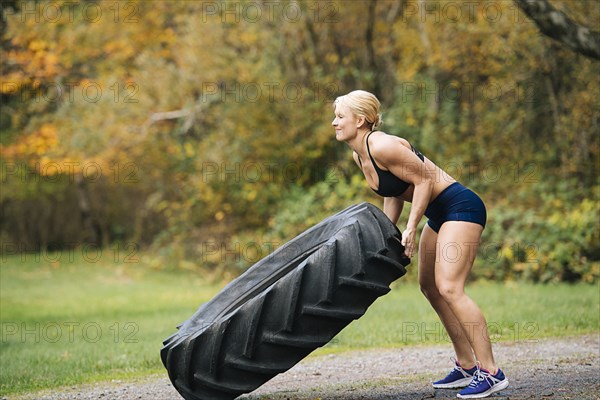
[
  {"x": 514, "y": 311},
  {"x": 82, "y": 321},
  {"x": 77, "y": 320}
]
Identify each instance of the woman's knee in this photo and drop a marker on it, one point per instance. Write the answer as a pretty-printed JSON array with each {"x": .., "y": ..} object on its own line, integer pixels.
[
  {"x": 429, "y": 289},
  {"x": 450, "y": 292}
]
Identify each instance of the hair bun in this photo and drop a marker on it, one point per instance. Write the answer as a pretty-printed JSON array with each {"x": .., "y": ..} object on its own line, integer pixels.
[{"x": 378, "y": 121}]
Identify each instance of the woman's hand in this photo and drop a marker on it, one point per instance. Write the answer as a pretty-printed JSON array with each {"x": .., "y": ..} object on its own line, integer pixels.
[{"x": 409, "y": 237}]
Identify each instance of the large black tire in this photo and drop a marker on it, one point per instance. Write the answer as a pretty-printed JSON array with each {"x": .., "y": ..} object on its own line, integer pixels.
[{"x": 286, "y": 305}]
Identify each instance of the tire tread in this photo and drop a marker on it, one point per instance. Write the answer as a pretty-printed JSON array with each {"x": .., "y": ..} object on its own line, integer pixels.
[{"x": 299, "y": 311}]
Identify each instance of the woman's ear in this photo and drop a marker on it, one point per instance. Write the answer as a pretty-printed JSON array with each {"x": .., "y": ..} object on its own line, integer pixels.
[{"x": 360, "y": 120}]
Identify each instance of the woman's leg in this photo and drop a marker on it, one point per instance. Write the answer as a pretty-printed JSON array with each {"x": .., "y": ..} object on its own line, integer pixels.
[
  {"x": 427, "y": 273},
  {"x": 457, "y": 244}
]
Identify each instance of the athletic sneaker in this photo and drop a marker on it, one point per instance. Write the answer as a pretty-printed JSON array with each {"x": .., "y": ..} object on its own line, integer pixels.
[
  {"x": 457, "y": 378},
  {"x": 483, "y": 385}
]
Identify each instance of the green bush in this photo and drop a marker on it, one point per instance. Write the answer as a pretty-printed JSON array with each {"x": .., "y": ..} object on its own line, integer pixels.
[
  {"x": 534, "y": 235},
  {"x": 557, "y": 240},
  {"x": 299, "y": 210}
]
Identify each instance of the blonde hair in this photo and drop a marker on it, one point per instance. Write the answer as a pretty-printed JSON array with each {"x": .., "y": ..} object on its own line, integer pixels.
[{"x": 362, "y": 103}]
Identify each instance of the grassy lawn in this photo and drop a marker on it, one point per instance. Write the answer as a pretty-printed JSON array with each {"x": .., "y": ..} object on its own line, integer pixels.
[
  {"x": 514, "y": 312},
  {"x": 68, "y": 319}
]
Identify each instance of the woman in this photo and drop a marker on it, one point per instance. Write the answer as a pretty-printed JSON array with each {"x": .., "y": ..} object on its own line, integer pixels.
[{"x": 448, "y": 244}]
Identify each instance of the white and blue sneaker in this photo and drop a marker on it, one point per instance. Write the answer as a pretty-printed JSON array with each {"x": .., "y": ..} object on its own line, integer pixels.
[
  {"x": 457, "y": 378},
  {"x": 484, "y": 384}
]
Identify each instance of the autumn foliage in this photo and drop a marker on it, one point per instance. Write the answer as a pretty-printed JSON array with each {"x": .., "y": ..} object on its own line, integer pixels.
[{"x": 201, "y": 130}]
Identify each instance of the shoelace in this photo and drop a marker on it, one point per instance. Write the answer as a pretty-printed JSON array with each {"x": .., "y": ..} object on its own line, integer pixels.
[
  {"x": 480, "y": 376},
  {"x": 457, "y": 366}
]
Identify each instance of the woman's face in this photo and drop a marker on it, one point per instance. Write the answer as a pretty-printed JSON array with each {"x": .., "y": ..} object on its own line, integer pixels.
[{"x": 344, "y": 123}]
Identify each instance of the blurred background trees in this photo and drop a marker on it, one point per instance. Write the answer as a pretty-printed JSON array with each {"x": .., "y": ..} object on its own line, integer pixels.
[{"x": 200, "y": 131}]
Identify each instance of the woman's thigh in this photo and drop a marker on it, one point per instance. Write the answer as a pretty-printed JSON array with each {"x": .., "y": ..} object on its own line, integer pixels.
[
  {"x": 427, "y": 254},
  {"x": 456, "y": 249}
]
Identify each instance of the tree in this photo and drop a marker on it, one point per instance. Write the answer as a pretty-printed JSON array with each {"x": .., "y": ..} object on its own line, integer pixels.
[{"x": 557, "y": 25}]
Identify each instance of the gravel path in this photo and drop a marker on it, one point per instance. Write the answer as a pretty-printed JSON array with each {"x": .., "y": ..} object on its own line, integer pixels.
[{"x": 567, "y": 368}]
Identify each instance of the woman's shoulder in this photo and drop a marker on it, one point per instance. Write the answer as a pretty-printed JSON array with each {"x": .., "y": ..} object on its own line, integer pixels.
[{"x": 383, "y": 142}]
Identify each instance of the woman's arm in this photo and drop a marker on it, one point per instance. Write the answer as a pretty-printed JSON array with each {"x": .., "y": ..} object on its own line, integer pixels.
[
  {"x": 420, "y": 201},
  {"x": 392, "y": 207},
  {"x": 391, "y": 154}
]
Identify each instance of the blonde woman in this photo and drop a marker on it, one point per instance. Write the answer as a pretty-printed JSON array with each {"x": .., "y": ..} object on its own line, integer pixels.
[{"x": 394, "y": 169}]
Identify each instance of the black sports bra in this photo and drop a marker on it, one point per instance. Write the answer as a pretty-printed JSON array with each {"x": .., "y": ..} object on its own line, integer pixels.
[{"x": 389, "y": 184}]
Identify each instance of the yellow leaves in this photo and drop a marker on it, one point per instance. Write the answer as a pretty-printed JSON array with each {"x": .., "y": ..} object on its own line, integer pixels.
[
  {"x": 162, "y": 205},
  {"x": 506, "y": 252},
  {"x": 592, "y": 275},
  {"x": 13, "y": 82},
  {"x": 36, "y": 144},
  {"x": 189, "y": 149},
  {"x": 580, "y": 215},
  {"x": 411, "y": 121},
  {"x": 120, "y": 49},
  {"x": 168, "y": 36},
  {"x": 172, "y": 149},
  {"x": 45, "y": 140},
  {"x": 38, "y": 59},
  {"x": 219, "y": 215},
  {"x": 409, "y": 72},
  {"x": 251, "y": 195},
  {"x": 332, "y": 58},
  {"x": 51, "y": 61},
  {"x": 248, "y": 37},
  {"x": 573, "y": 216},
  {"x": 38, "y": 45}
]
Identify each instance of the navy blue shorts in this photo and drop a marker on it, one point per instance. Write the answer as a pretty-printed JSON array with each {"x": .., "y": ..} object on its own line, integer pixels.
[{"x": 455, "y": 203}]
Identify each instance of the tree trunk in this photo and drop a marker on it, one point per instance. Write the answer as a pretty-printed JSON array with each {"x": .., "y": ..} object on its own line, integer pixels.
[
  {"x": 92, "y": 231},
  {"x": 557, "y": 25},
  {"x": 369, "y": 38}
]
